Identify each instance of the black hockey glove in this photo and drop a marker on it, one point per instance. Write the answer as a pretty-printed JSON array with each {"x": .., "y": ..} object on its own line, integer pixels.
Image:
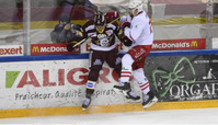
[
  {"x": 126, "y": 41},
  {"x": 71, "y": 46}
]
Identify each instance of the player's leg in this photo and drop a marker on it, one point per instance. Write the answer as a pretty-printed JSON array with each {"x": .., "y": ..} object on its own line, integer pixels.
[
  {"x": 114, "y": 60},
  {"x": 96, "y": 61},
  {"x": 127, "y": 61},
  {"x": 148, "y": 97},
  {"x": 126, "y": 72}
]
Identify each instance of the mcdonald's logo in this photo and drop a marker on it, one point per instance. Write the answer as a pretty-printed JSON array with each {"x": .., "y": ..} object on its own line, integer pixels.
[
  {"x": 194, "y": 44},
  {"x": 35, "y": 49}
]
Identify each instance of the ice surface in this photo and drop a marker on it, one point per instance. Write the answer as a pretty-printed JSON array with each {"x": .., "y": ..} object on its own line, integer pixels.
[{"x": 184, "y": 117}]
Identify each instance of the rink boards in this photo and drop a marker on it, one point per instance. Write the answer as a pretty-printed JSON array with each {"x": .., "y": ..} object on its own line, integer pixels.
[{"x": 55, "y": 84}]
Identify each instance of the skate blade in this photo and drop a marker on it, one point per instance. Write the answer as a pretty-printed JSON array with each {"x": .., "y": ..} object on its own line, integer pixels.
[
  {"x": 153, "y": 101},
  {"x": 118, "y": 91},
  {"x": 133, "y": 99},
  {"x": 84, "y": 109}
]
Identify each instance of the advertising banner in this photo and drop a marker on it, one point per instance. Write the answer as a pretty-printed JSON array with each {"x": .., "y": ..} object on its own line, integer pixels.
[
  {"x": 61, "y": 83},
  {"x": 180, "y": 78},
  {"x": 158, "y": 45},
  {"x": 180, "y": 44},
  {"x": 42, "y": 84},
  {"x": 49, "y": 49},
  {"x": 11, "y": 50}
]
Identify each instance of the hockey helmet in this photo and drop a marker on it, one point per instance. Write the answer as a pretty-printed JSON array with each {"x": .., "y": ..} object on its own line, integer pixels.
[
  {"x": 135, "y": 5},
  {"x": 99, "y": 21}
]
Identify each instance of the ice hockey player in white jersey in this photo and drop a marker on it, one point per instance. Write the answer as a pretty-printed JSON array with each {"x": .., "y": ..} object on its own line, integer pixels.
[{"x": 139, "y": 30}]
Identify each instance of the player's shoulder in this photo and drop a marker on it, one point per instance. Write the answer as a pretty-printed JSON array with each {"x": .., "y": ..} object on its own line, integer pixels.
[
  {"x": 89, "y": 23},
  {"x": 144, "y": 16},
  {"x": 141, "y": 18},
  {"x": 113, "y": 25}
]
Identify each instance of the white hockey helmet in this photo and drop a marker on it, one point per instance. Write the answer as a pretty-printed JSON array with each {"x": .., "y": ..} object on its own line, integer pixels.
[{"x": 136, "y": 5}]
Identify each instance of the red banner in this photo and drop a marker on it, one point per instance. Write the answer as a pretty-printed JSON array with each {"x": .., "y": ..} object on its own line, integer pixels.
[
  {"x": 51, "y": 49},
  {"x": 181, "y": 44},
  {"x": 158, "y": 45}
]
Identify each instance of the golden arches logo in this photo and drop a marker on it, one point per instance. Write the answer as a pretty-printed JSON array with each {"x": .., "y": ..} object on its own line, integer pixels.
[
  {"x": 35, "y": 49},
  {"x": 194, "y": 44}
]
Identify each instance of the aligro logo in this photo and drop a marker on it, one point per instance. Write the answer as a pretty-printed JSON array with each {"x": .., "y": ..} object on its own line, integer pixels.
[{"x": 76, "y": 76}]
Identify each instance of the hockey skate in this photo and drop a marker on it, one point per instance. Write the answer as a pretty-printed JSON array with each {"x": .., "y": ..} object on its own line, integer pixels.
[
  {"x": 126, "y": 91},
  {"x": 133, "y": 96},
  {"x": 86, "y": 103},
  {"x": 148, "y": 100}
]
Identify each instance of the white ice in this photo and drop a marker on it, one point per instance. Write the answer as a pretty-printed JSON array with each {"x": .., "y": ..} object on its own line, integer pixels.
[{"x": 184, "y": 117}]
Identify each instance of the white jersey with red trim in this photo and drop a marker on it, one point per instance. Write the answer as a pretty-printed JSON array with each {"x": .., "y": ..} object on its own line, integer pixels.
[{"x": 140, "y": 31}]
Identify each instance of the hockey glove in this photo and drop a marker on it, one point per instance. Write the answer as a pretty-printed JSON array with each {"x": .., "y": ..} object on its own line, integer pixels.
[
  {"x": 112, "y": 15},
  {"x": 71, "y": 46},
  {"x": 126, "y": 41},
  {"x": 125, "y": 25}
]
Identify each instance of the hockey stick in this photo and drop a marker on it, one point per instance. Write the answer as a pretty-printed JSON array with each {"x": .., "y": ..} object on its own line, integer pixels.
[
  {"x": 127, "y": 11},
  {"x": 83, "y": 40},
  {"x": 80, "y": 42},
  {"x": 118, "y": 18}
]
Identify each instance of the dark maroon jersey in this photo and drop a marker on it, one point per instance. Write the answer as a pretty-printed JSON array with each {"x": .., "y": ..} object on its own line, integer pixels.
[{"x": 101, "y": 41}]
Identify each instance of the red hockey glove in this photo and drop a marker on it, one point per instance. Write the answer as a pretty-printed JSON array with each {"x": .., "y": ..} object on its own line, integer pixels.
[
  {"x": 125, "y": 25},
  {"x": 112, "y": 15}
]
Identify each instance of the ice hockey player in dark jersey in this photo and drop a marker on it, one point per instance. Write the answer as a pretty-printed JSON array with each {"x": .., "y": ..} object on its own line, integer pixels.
[{"x": 103, "y": 49}]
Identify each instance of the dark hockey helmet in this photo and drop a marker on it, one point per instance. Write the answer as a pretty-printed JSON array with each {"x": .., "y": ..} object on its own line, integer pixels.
[
  {"x": 99, "y": 19},
  {"x": 100, "y": 22}
]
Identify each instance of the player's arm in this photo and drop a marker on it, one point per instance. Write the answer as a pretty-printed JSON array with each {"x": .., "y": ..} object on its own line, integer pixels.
[
  {"x": 78, "y": 39},
  {"x": 122, "y": 37},
  {"x": 135, "y": 31}
]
